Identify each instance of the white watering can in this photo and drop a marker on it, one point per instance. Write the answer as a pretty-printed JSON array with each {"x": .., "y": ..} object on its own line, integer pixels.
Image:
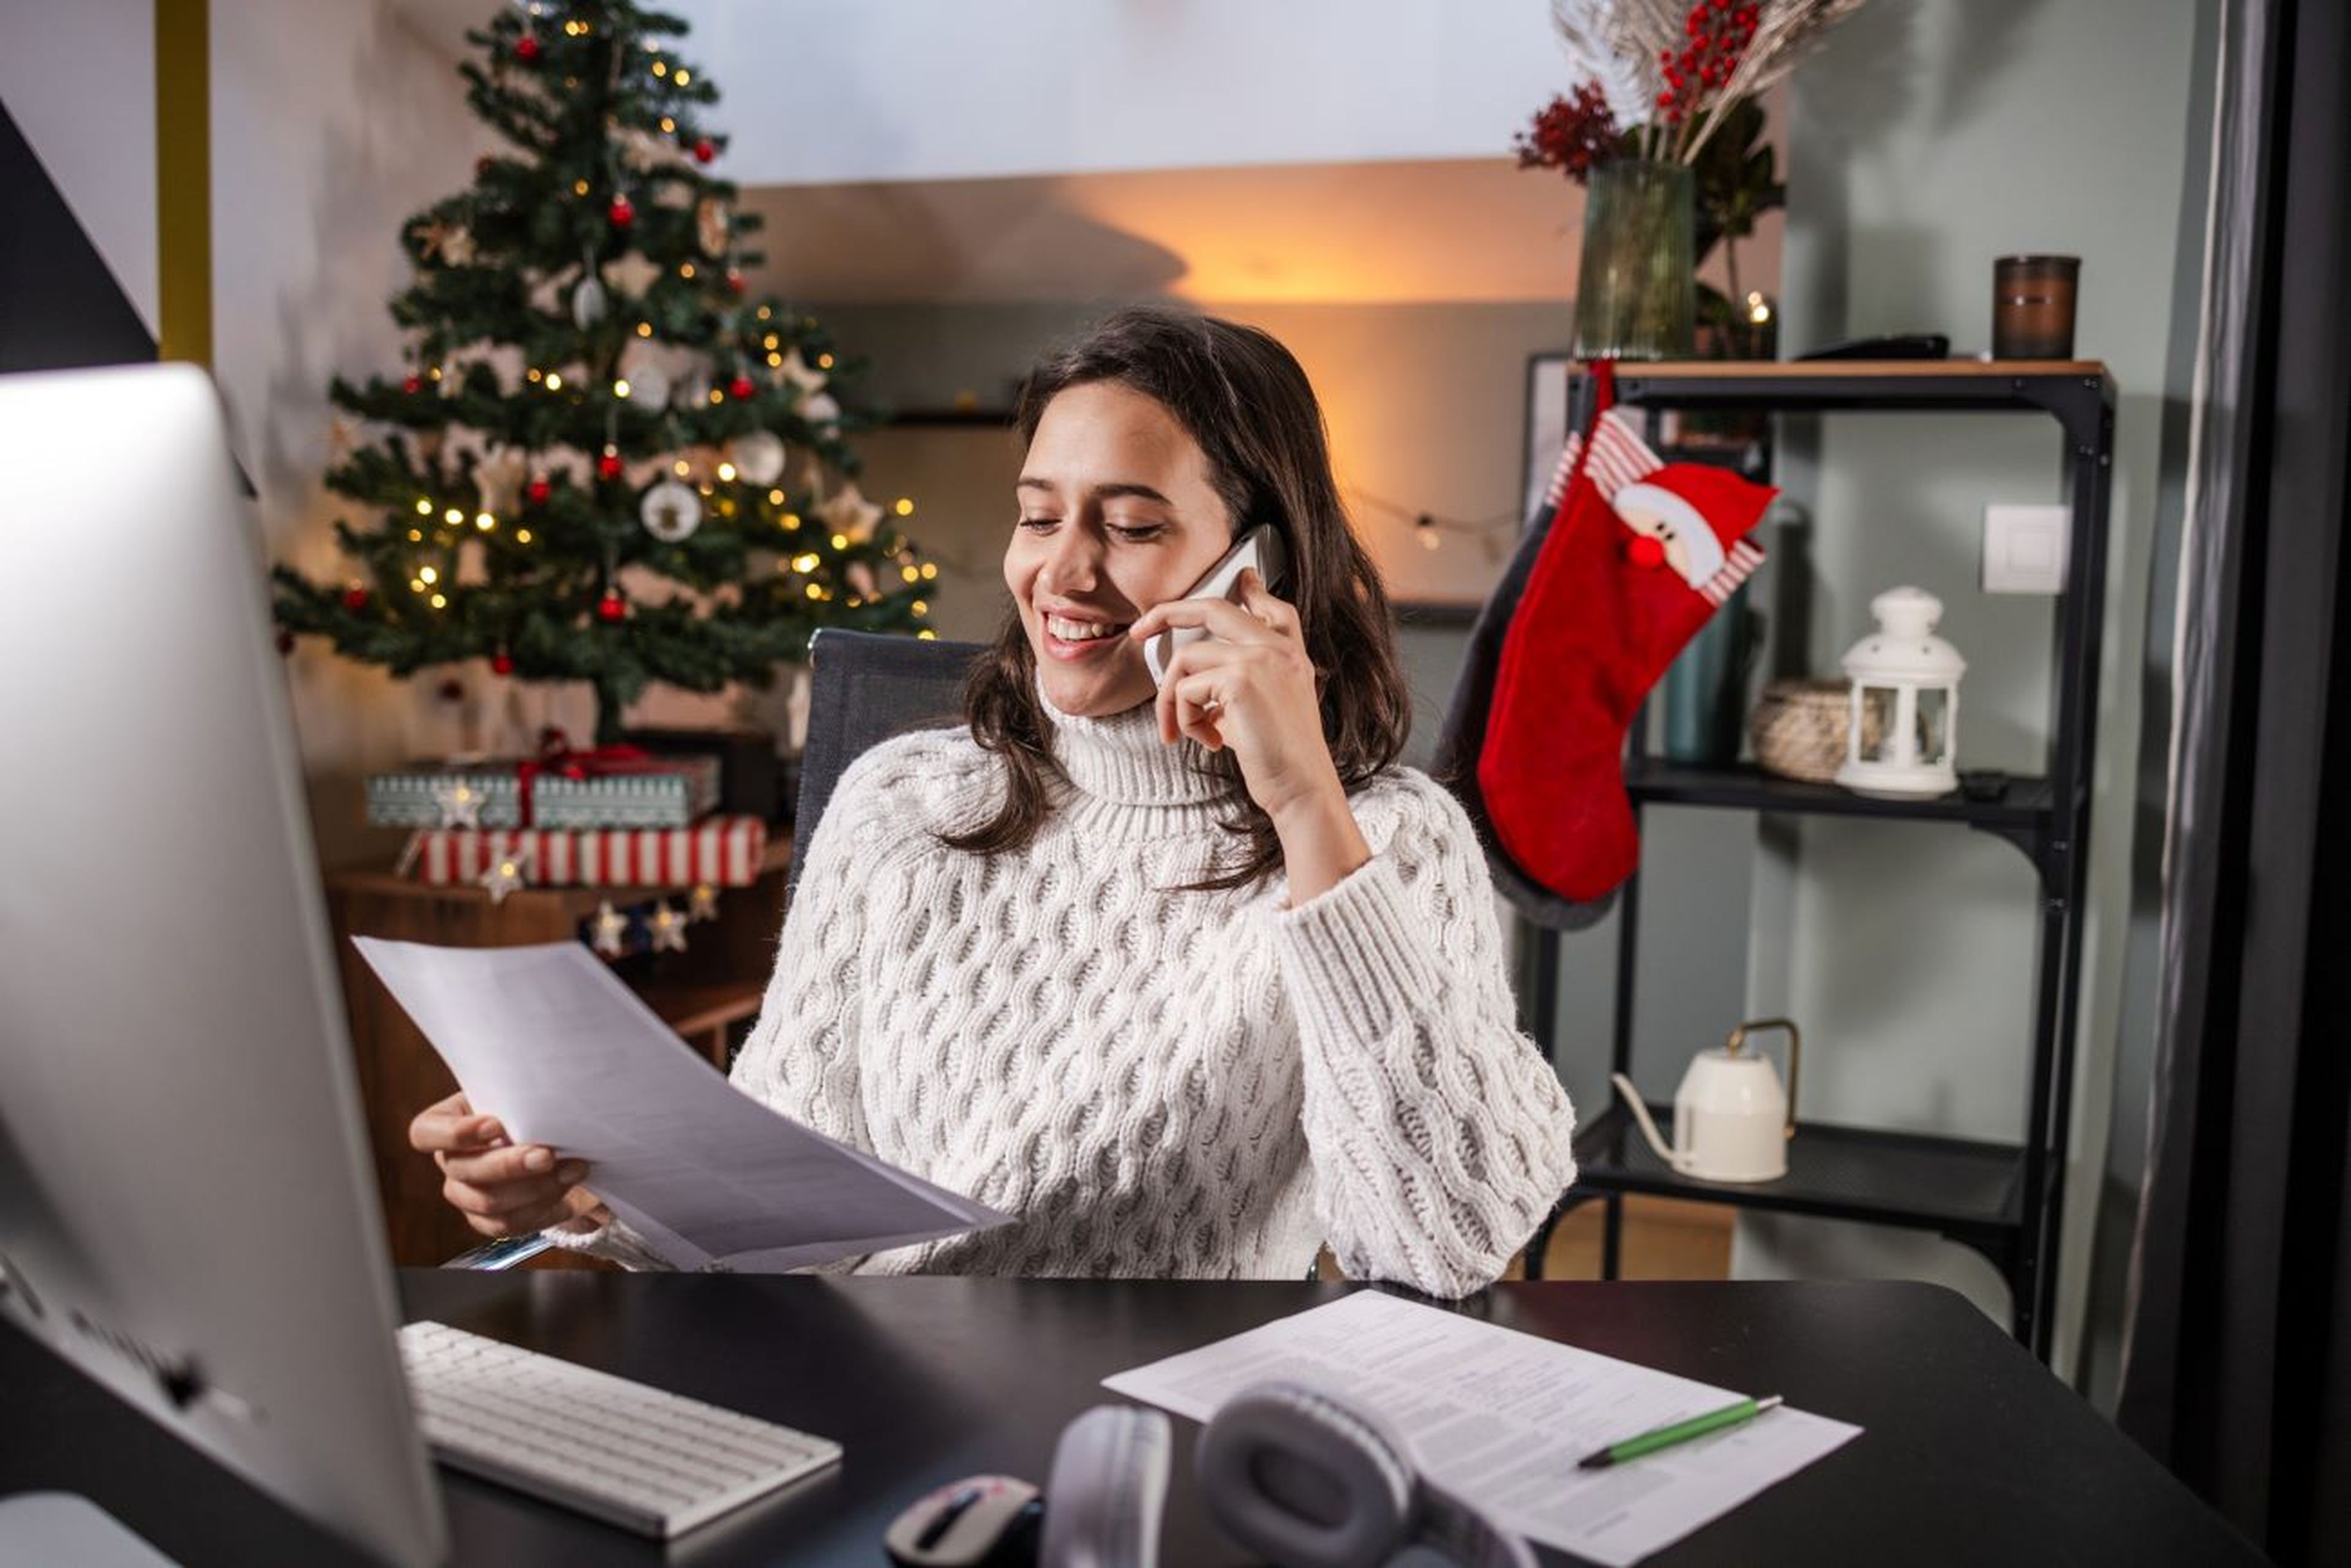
[{"x": 1732, "y": 1120}]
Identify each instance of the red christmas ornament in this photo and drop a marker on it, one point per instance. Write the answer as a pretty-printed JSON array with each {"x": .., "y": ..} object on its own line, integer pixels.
[
  {"x": 621, "y": 213},
  {"x": 527, "y": 48},
  {"x": 412, "y": 385},
  {"x": 703, "y": 151},
  {"x": 734, "y": 280},
  {"x": 539, "y": 490},
  {"x": 501, "y": 663},
  {"x": 740, "y": 388},
  {"x": 611, "y": 607},
  {"x": 355, "y": 600},
  {"x": 609, "y": 466},
  {"x": 285, "y": 644}
]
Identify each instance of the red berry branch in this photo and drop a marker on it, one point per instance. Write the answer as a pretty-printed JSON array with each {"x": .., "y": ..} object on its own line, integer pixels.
[{"x": 1570, "y": 134}]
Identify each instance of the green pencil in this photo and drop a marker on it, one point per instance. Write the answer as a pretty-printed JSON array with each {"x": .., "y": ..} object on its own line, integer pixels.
[{"x": 1679, "y": 1432}]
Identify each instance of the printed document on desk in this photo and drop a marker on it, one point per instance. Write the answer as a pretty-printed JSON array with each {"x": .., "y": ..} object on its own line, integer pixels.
[
  {"x": 553, "y": 1044},
  {"x": 1504, "y": 1420}
]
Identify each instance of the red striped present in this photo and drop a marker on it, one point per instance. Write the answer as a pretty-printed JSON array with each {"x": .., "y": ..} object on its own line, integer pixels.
[{"x": 725, "y": 852}]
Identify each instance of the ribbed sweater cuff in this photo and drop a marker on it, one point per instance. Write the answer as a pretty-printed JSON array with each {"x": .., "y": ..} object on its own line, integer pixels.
[
  {"x": 1354, "y": 958},
  {"x": 616, "y": 1241}
]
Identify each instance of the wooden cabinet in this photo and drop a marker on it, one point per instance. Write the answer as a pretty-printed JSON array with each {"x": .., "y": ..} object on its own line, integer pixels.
[{"x": 707, "y": 993}]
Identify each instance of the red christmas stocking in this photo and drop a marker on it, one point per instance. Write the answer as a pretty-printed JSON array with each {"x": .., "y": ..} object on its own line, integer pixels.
[{"x": 1639, "y": 554}]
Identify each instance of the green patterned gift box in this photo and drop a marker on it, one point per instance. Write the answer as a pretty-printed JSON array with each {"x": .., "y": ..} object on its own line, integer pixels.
[
  {"x": 656, "y": 792},
  {"x": 569, "y": 790},
  {"x": 439, "y": 794}
]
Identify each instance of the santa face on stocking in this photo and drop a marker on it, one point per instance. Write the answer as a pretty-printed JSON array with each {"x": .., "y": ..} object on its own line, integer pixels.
[{"x": 1667, "y": 530}]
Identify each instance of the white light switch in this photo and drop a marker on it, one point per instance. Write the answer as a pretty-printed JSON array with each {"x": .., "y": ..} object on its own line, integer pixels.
[{"x": 2024, "y": 548}]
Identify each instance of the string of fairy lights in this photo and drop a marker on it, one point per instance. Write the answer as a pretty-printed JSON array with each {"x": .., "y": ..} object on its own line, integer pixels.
[{"x": 1431, "y": 528}]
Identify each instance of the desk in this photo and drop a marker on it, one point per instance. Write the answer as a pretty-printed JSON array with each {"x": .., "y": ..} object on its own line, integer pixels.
[{"x": 1972, "y": 1453}]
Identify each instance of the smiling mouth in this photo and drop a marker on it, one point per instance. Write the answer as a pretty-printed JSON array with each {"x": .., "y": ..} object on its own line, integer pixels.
[{"x": 1062, "y": 630}]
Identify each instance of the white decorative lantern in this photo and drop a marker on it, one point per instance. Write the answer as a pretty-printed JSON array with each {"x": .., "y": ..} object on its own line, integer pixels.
[{"x": 1906, "y": 700}]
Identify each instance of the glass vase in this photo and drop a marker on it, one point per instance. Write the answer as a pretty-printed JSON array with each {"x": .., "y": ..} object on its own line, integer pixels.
[{"x": 1634, "y": 289}]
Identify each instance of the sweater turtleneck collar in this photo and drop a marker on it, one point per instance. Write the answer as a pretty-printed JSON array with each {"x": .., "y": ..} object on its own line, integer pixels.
[{"x": 1120, "y": 759}]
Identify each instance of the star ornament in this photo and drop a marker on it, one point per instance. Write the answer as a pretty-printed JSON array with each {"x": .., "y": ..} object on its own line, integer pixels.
[
  {"x": 667, "y": 927},
  {"x": 457, "y": 803},
  {"x": 612, "y": 926},
  {"x": 632, "y": 274},
  {"x": 849, "y": 514},
  {"x": 504, "y": 876},
  {"x": 703, "y": 903},
  {"x": 798, "y": 372}
]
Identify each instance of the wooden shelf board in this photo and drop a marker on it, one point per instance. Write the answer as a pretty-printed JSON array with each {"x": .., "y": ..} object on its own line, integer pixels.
[{"x": 698, "y": 1008}]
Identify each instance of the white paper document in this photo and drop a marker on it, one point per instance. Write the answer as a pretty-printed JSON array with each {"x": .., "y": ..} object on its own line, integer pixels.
[
  {"x": 1504, "y": 1420},
  {"x": 552, "y": 1043}
]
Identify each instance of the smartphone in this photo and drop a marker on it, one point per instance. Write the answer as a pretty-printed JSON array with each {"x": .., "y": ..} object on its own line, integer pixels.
[{"x": 1260, "y": 548}]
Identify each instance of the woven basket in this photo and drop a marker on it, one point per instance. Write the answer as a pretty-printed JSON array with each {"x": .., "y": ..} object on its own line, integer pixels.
[{"x": 1798, "y": 729}]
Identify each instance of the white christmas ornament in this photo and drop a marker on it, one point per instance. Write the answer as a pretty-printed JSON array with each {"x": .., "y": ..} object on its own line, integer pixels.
[
  {"x": 504, "y": 876},
  {"x": 632, "y": 274},
  {"x": 588, "y": 304},
  {"x": 648, "y": 153},
  {"x": 798, "y": 372},
  {"x": 457, "y": 803},
  {"x": 671, "y": 511},
  {"x": 667, "y": 927},
  {"x": 648, "y": 386},
  {"x": 611, "y": 925},
  {"x": 850, "y": 514},
  {"x": 758, "y": 456},
  {"x": 821, "y": 410},
  {"x": 499, "y": 475}
]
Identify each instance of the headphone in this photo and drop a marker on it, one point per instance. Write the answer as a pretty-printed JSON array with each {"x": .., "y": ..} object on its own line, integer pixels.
[{"x": 1290, "y": 1474}]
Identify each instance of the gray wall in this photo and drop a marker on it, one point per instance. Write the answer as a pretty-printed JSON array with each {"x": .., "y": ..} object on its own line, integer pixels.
[{"x": 1926, "y": 140}]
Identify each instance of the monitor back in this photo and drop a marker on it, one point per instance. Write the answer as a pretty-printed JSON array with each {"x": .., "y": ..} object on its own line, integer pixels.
[{"x": 186, "y": 1210}]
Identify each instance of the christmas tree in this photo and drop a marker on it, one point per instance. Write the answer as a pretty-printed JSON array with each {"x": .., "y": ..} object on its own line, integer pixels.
[{"x": 604, "y": 462}]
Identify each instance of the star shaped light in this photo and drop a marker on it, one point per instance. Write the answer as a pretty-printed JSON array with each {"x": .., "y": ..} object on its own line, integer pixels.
[
  {"x": 703, "y": 903},
  {"x": 668, "y": 928},
  {"x": 504, "y": 876},
  {"x": 458, "y": 803},
  {"x": 850, "y": 514},
  {"x": 611, "y": 925}
]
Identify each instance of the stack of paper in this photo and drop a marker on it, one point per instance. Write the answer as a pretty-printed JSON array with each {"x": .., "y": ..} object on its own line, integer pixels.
[
  {"x": 549, "y": 1041},
  {"x": 1504, "y": 1420}
]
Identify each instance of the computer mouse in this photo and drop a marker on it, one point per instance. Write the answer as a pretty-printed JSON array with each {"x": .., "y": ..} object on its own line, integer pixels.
[{"x": 980, "y": 1521}]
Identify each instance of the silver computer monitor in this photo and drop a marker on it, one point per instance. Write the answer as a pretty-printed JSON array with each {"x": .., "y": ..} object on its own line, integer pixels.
[{"x": 187, "y": 1208}]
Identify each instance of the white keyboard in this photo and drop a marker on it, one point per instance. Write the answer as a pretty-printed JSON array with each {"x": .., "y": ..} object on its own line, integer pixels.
[{"x": 650, "y": 1462}]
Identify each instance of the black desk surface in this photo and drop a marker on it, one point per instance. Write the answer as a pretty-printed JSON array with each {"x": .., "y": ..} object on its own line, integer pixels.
[{"x": 1971, "y": 1453}]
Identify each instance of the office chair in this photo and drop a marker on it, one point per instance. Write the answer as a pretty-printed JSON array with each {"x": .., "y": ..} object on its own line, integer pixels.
[{"x": 863, "y": 688}]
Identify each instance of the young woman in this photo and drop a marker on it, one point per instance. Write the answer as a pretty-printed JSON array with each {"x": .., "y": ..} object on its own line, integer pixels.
[{"x": 1190, "y": 981}]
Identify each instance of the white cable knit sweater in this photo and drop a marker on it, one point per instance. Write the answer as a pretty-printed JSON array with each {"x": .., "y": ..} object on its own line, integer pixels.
[{"x": 1159, "y": 1084}]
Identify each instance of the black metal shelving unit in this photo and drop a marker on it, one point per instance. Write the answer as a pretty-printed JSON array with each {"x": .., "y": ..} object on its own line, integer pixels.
[{"x": 2004, "y": 1201}]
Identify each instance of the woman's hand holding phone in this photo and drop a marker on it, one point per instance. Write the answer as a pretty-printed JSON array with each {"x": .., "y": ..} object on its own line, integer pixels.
[{"x": 1250, "y": 686}]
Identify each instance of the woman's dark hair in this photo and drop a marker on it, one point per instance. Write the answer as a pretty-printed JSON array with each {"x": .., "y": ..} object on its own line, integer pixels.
[{"x": 1241, "y": 397}]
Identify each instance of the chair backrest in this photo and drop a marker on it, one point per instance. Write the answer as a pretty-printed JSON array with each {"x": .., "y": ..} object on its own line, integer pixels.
[{"x": 863, "y": 688}]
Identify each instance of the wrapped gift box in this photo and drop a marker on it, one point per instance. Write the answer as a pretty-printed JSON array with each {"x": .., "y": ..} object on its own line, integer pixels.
[
  {"x": 569, "y": 790},
  {"x": 412, "y": 797},
  {"x": 725, "y": 852},
  {"x": 645, "y": 792}
]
